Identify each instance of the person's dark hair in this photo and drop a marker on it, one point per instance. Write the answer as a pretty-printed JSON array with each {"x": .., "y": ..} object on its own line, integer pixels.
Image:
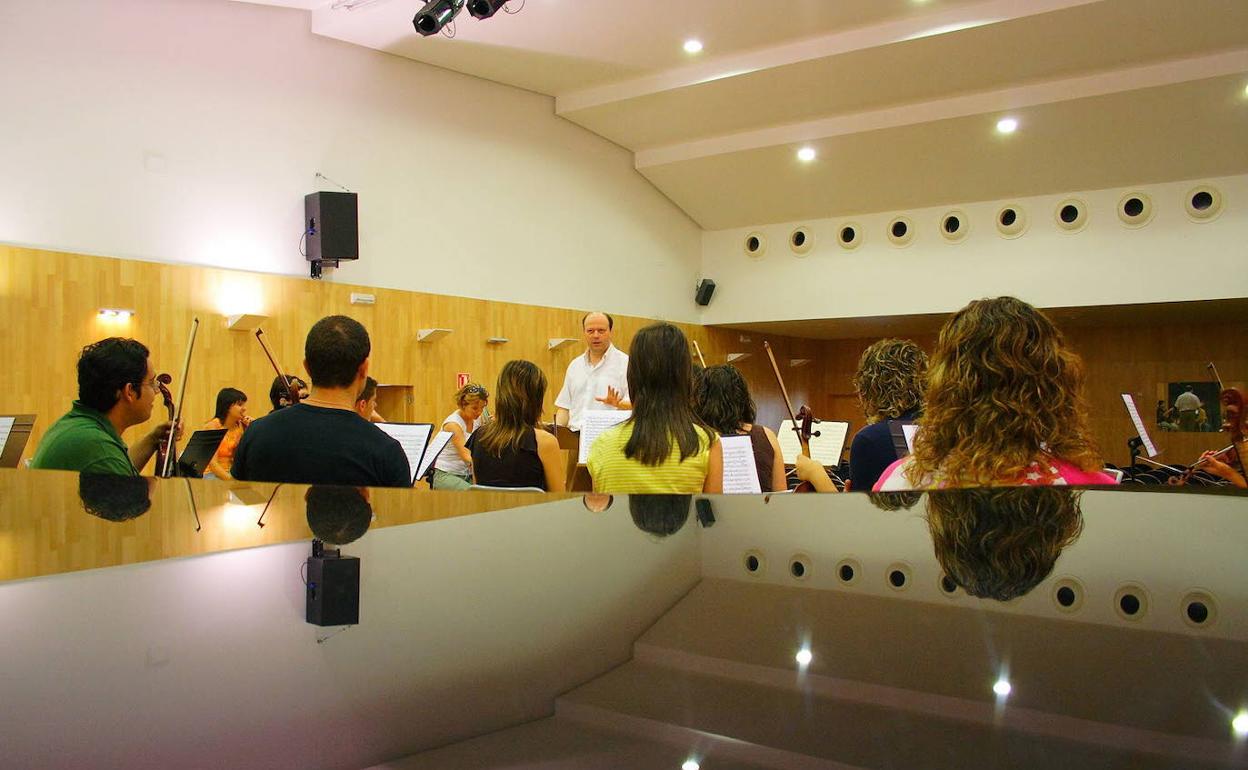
[
  {"x": 659, "y": 368},
  {"x": 370, "y": 388},
  {"x": 721, "y": 399},
  {"x": 106, "y": 367},
  {"x": 894, "y": 501},
  {"x": 660, "y": 515},
  {"x": 999, "y": 543},
  {"x": 610, "y": 320},
  {"x": 226, "y": 398},
  {"x": 114, "y": 497},
  {"x": 277, "y": 391},
  {"x": 338, "y": 515},
  {"x": 334, "y": 350},
  {"x": 518, "y": 406}
]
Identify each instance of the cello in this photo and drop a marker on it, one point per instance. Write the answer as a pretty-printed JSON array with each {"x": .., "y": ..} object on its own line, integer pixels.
[
  {"x": 167, "y": 452},
  {"x": 803, "y": 419}
]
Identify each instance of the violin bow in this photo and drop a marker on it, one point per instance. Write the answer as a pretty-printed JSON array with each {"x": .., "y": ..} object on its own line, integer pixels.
[
  {"x": 170, "y": 440},
  {"x": 698, "y": 349},
  {"x": 290, "y": 388},
  {"x": 802, "y": 439}
]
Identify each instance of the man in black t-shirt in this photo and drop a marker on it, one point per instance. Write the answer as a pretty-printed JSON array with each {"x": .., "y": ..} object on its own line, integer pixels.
[{"x": 321, "y": 440}]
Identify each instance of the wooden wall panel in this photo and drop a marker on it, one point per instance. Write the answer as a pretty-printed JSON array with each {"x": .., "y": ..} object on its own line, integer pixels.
[{"x": 49, "y": 303}]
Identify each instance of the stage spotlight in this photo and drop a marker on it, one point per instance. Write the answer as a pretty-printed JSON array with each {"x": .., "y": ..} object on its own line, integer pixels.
[
  {"x": 435, "y": 15},
  {"x": 484, "y": 9}
]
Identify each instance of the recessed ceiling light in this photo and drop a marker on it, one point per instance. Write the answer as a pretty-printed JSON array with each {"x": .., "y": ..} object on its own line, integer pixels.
[
  {"x": 1240, "y": 724},
  {"x": 690, "y": 765},
  {"x": 806, "y": 154},
  {"x": 693, "y": 46},
  {"x": 1007, "y": 125},
  {"x": 804, "y": 657},
  {"x": 1002, "y": 687}
]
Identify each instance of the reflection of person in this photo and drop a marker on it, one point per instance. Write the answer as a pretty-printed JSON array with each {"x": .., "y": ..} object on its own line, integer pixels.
[
  {"x": 1161, "y": 412},
  {"x": 894, "y": 501},
  {"x": 660, "y": 515},
  {"x": 1000, "y": 543},
  {"x": 338, "y": 515},
  {"x": 596, "y": 502},
  {"x": 662, "y": 447},
  {"x": 279, "y": 397},
  {"x": 114, "y": 497},
  {"x": 595, "y": 380},
  {"x": 1003, "y": 406},
  {"x": 230, "y": 416},
  {"x": 453, "y": 468},
  {"x": 1188, "y": 404},
  {"x": 321, "y": 440},
  {"x": 721, "y": 400},
  {"x": 510, "y": 451},
  {"x": 116, "y": 390}
]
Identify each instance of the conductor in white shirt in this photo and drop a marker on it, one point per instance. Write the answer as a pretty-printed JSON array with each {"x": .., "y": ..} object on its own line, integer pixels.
[{"x": 596, "y": 380}]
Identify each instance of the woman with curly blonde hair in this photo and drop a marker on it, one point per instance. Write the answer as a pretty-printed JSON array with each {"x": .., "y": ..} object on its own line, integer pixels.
[{"x": 1003, "y": 406}]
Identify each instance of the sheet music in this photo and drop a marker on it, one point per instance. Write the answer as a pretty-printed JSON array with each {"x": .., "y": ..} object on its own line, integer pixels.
[
  {"x": 1139, "y": 424},
  {"x": 740, "y": 472},
  {"x": 413, "y": 438},
  {"x": 436, "y": 446},
  {"x": 826, "y": 447},
  {"x": 6, "y": 427},
  {"x": 909, "y": 430},
  {"x": 594, "y": 423}
]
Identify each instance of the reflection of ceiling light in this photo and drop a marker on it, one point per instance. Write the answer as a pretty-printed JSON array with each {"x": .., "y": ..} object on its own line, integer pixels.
[
  {"x": 947, "y": 28},
  {"x": 693, "y": 46},
  {"x": 1240, "y": 724},
  {"x": 1007, "y": 125},
  {"x": 116, "y": 315},
  {"x": 1002, "y": 687},
  {"x": 806, "y": 154},
  {"x": 804, "y": 657},
  {"x": 690, "y": 765}
]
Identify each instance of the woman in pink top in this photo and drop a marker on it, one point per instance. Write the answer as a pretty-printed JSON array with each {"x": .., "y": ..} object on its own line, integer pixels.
[{"x": 1003, "y": 406}]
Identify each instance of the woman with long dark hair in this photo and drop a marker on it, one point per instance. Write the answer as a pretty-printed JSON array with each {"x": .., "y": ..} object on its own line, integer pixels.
[
  {"x": 662, "y": 448},
  {"x": 510, "y": 451},
  {"x": 722, "y": 401},
  {"x": 231, "y": 415}
]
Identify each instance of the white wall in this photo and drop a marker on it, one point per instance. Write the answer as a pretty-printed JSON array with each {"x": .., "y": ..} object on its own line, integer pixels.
[
  {"x": 190, "y": 130},
  {"x": 1170, "y": 259}
]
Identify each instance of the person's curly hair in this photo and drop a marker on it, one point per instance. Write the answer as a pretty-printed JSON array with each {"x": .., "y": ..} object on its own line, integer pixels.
[
  {"x": 1001, "y": 543},
  {"x": 1003, "y": 387},
  {"x": 890, "y": 379}
]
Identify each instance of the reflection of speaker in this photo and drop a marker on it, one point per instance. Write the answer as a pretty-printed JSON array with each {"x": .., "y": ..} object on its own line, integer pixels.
[
  {"x": 331, "y": 220},
  {"x": 333, "y": 590},
  {"x": 706, "y": 287}
]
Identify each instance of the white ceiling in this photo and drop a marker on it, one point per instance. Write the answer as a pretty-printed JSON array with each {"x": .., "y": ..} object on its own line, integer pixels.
[{"x": 899, "y": 97}]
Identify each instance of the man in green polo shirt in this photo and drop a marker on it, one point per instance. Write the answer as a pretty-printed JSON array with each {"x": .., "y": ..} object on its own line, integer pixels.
[{"x": 116, "y": 389}]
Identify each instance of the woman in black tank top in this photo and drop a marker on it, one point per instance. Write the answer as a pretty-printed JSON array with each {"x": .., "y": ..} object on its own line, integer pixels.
[
  {"x": 721, "y": 399},
  {"x": 510, "y": 451}
]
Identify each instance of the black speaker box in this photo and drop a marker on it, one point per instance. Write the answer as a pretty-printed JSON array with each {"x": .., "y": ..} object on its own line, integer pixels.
[
  {"x": 333, "y": 591},
  {"x": 706, "y": 287},
  {"x": 332, "y": 223}
]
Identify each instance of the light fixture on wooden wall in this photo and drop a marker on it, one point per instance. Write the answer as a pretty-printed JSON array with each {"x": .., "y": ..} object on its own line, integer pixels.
[
  {"x": 737, "y": 357},
  {"x": 431, "y": 335},
  {"x": 244, "y": 322},
  {"x": 497, "y": 341},
  {"x": 554, "y": 343},
  {"x": 115, "y": 314}
]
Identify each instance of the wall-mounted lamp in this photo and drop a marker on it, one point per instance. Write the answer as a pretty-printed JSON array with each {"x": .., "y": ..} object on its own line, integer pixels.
[
  {"x": 115, "y": 314},
  {"x": 737, "y": 356},
  {"x": 554, "y": 343},
  {"x": 244, "y": 322},
  {"x": 796, "y": 362},
  {"x": 430, "y": 335}
]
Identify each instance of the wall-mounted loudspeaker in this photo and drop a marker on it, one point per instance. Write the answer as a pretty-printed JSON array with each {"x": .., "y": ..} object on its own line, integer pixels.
[
  {"x": 706, "y": 287},
  {"x": 331, "y": 221},
  {"x": 333, "y": 590}
]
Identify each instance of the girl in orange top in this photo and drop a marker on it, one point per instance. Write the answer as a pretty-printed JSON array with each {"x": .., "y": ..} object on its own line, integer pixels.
[{"x": 231, "y": 415}]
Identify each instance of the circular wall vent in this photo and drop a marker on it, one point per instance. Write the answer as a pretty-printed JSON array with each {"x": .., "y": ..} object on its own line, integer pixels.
[
  {"x": 801, "y": 241},
  {"x": 901, "y": 231},
  {"x": 1135, "y": 209},
  {"x": 755, "y": 244},
  {"x": 1071, "y": 215},
  {"x": 954, "y": 226},
  {"x": 1011, "y": 220},
  {"x": 849, "y": 235},
  {"x": 1203, "y": 203}
]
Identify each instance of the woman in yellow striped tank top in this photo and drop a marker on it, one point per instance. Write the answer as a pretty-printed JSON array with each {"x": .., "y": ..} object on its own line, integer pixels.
[{"x": 663, "y": 448}]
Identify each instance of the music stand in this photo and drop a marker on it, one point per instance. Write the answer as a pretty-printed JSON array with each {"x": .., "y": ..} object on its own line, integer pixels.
[
  {"x": 200, "y": 449},
  {"x": 570, "y": 442},
  {"x": 19, "y": 433}
]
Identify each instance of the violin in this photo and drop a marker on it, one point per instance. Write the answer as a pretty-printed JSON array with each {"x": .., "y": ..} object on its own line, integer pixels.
[
  {"x": 803, "y": 420},
  {"x": 292, "y": 393}
]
